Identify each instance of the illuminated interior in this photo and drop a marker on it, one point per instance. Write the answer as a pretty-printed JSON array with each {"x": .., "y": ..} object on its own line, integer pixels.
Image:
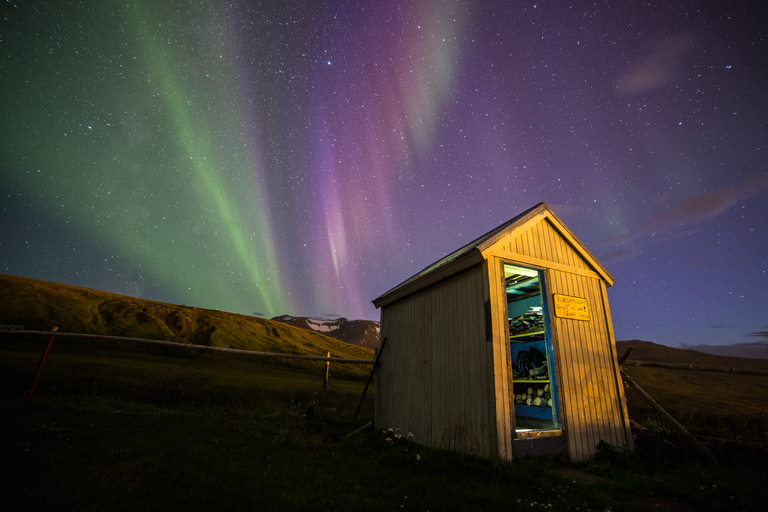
[{"x": 534, "y": 373}]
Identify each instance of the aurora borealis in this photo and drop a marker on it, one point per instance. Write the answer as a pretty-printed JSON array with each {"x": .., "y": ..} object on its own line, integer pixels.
[{"x": 303, "y": 157}]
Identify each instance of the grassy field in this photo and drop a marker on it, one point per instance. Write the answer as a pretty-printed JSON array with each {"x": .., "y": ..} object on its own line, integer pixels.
[
  {"x": 118, "y": 425},
  {"x": 709, "y": 404},
  {"x": 122, "y": 426},
  {"x": 714, "y": 404}
]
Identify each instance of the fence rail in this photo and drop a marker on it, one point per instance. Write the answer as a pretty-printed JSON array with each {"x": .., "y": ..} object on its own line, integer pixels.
[
  {"x": 193, "y": 347},
  {"x": 685, "y": 366}
]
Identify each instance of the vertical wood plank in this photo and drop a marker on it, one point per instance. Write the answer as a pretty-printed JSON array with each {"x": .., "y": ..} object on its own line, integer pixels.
[
  {"x": 572, "y": 390},
  {"x": 503, "y": 416},
  {"x": 615, "y": 414},
  {"x": 581, "y": 394},
  {"x": 611, "y": 412},
  {"x": 591, "y": 371},
  {"x": 591, "y": 363},
  {"x": 496, "y": 442},
  {"x": 546, "y": 242},
  {"x": 617, "y": 381},
  {"x": 597, "y": 361}
]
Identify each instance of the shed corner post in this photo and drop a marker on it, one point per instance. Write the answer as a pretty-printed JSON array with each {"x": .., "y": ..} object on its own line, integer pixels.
[
  {"x": 617, "y": 369},
  {"x": 376, "y": 373},
  {"x": 500, "y": 364}
]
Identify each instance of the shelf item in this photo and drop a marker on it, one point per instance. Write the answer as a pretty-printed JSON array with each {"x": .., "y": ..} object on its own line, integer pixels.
[
  {"x": 531, "y": 320},
  {"x": 534, "y": 335},
  {"x": 530, "y": 359},
  {"x": 538, "y": 394}
]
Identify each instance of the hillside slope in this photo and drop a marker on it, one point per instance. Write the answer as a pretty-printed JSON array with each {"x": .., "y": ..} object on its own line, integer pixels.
[
  {"x": 649, "y": 351},
  {"x": 754, "y": 350},
  {"x": 40, "y": 305}
]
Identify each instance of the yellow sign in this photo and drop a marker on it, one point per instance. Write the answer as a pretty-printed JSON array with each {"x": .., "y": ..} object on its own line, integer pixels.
[{"x": 571, "y": 307}]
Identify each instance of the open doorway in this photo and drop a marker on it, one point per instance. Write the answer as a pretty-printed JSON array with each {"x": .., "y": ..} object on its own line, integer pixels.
[{"x": 533, "y": 369}]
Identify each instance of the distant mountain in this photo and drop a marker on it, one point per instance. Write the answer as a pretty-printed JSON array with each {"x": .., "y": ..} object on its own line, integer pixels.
[
  {"x": 363, "y": 333},
  {"x": 648, "y": 351},
  {"x": 755, "y": 350}
]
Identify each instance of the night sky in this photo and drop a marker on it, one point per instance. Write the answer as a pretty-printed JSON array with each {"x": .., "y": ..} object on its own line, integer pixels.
[{"x": 304, "y": 157}]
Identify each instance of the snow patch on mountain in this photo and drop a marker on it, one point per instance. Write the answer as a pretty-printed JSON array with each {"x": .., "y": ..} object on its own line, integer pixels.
[
  {"x": 323, "y": 326},
  {"x": 363, "y": 333}
]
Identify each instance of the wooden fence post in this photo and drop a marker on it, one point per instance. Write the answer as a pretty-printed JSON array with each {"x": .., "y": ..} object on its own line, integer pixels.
[
  {"x": 677, "y": 426},
  {"x": 327, "y": 372}
]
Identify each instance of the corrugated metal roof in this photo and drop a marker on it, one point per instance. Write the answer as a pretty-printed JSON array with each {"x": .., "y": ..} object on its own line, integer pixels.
[{"x": 482, "y": 242}]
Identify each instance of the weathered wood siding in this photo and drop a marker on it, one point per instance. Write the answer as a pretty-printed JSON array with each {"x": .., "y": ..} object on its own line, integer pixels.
[
  {"x": 592, "y": 397},
  {"x": 591, "y": 393},
  {"x": 435, "y": 376},
  {"x": 501, "y": 362}
]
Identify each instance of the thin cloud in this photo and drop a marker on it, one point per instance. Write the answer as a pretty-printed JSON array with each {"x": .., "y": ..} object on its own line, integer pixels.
[
  {"x": 712, "y": 202},
  {"x": 679, "y": 217},
  {"x": 757, "y": 334},
  {"x": 619, "y": 254},
  {"x": 661, "y": 66}
]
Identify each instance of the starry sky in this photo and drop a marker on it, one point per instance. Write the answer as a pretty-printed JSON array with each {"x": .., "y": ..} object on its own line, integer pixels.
[{"x": 304, "y": 157}]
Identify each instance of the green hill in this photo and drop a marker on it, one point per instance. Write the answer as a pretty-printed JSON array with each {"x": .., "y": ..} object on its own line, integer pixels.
[{"x": 41, "y": 305}]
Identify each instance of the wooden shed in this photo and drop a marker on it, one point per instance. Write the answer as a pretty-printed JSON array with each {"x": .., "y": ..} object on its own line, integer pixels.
[{"x": 504, "y": 348}]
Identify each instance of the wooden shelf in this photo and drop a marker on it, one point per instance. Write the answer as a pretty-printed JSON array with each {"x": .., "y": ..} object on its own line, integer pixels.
[
  {"x": 527, "y": 335},
  {"x": 531, "y": 381},
  {"x": 532, "y": 411}
]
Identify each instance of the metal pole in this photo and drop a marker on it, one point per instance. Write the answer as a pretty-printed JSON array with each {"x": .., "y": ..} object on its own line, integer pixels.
[
  {"x": 40, "y": 366},
  {"x": 370, "y": 375}
]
